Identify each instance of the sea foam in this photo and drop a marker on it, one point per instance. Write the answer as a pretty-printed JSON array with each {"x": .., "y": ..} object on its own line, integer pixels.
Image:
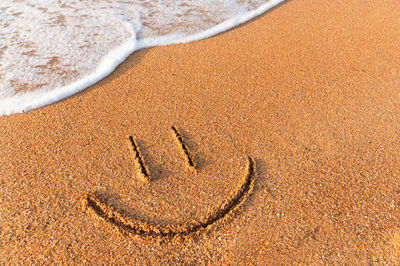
[{"x": 50, "y": 49}]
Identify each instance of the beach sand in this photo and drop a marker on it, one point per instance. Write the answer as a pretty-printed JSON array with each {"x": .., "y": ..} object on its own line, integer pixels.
[{"x": 310, "y": 91}]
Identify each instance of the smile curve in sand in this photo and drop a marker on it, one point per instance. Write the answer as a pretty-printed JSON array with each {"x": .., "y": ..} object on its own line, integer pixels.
[{"x": 131, "y": 227}]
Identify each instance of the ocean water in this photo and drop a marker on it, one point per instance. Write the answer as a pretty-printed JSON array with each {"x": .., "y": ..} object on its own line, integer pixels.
[{"x": 51, "y": 49}]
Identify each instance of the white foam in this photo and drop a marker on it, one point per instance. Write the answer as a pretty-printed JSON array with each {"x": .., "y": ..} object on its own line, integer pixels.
[{"x": 138, "y": 34}]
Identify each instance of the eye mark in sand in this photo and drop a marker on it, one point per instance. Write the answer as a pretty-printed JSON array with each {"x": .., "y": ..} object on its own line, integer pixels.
[
  {"x": 137, "y": 156},
  {"x": 189, "y": 161}
]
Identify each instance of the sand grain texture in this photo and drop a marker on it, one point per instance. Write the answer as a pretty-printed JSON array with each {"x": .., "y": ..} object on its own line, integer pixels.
[{"x": 310, "y": 90}]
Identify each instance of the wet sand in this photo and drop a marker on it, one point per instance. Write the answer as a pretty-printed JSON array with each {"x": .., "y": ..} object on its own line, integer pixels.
[{"x": 309, "y": 91}]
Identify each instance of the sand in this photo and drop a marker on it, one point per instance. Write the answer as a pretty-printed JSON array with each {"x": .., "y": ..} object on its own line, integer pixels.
[{"x": 310, "y": 91}]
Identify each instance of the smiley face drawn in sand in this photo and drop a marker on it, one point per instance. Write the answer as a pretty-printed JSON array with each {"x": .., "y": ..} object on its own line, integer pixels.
[{"x": 131, "y": 227}]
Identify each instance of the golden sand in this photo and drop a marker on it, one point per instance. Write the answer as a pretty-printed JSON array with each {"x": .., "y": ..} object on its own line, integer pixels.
[{"x": 310, "y": 90}]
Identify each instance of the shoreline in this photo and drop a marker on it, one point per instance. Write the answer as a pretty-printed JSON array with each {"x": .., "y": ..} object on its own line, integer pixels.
[
  {"x": 310, "y": 91},
  {"x": 116, "y": 56}
]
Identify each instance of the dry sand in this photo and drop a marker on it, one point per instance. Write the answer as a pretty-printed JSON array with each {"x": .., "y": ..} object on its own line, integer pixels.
[{"x": 310, "y": 90}]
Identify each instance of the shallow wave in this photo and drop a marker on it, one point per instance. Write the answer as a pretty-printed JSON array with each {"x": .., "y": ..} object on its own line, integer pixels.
[{"x": 51, "y": 49}]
